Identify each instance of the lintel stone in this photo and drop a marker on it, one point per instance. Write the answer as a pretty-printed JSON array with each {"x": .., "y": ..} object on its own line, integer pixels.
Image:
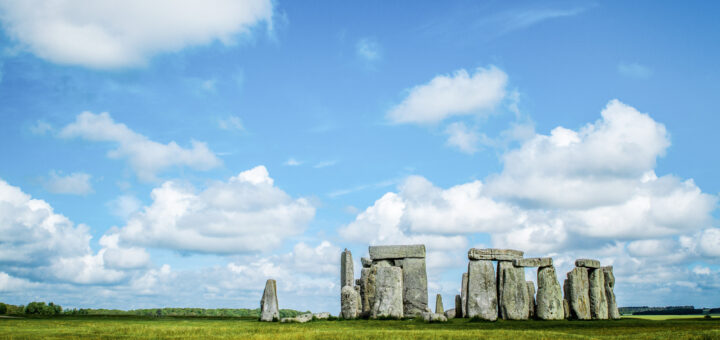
[
  {"x": 587, "y": 263},
  {"x": 494, "y": 254},
  {"x": 397, "y": 252},
  {"x": 533, "y": 262}
]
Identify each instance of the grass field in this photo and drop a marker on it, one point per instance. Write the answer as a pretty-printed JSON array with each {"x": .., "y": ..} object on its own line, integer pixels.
[{"x": 98, "y": 327}]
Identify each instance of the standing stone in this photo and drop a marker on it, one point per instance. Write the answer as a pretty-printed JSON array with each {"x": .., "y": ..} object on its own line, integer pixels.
[
  {"x": 371, "y": 285},
  {"x": 346, "y": 269},
  {"x": 415, "y": 294},
  {"x": 366, "y": 262},
  {"x": 481, "y": 291},
  {"x": 359, "y": 301},
  {"x": 269, "y": 310},
  {"x": 364, "y": 276},
  {"x": 577, "y": 293},
  {"x": 566, "y": 309},
  {"x": 464, "y": 294},
  {"x": 598, "y": 299},
  {"x": 388, "y": 293},
  {"x": 512, "y": 292},
  {"x": 613, "y": 312},
  {"x": 458, "y": 306},
  {"x": 531, "y": 298},
  {"x": 439, "y": 309},
  {"x": 549, "y": 295},
  {"x": 349, "y": 298}
]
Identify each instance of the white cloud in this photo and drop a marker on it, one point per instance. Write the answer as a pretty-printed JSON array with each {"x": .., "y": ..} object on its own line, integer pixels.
[
  {"x": 449, "y": 95},
  {"x": 113, "y": 33},
  {"x": 461, "y": 137},
  {"x": 146, "y": 157},
  {"x": 231, "y": 123},
  {"x": 634, "y": 70},
  {"x": 77, "y": 183},
  {"x": 368, "y": 49},
  {"x": 292, "y": 162},
  {"x": 701, "y": 270},
  {"x": 124, "y": 205},
  {"x": 38, "y": 244},
  {"x": 245, "y": 214}
]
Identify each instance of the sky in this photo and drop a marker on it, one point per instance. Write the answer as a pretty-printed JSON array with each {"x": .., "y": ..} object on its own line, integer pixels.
[{"x": 181, "y": 153}]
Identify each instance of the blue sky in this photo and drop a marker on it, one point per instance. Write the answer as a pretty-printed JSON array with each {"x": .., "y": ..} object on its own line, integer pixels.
[{"x": 180, "y": 155}]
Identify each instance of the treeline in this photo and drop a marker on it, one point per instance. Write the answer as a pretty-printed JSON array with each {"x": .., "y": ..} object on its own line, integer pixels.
[
  {"x": 41, "y": 308},
  {"x": 667, "y": 310}
]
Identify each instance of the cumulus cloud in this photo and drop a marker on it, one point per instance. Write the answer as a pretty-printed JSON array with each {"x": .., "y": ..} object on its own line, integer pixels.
[
  {"x": 112, "y": 34},
  {"x": 38, "y": 244},
  {"x": 247, "y": 213},
  {"x": 146, "y": 157},
  {"x": 77, "y": 183},
  {"x": 448, "y": 95},
  {"x": 124, "y": 205}
]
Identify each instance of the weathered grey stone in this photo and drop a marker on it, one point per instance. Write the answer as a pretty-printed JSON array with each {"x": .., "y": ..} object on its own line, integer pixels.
[
  {"x": 587, "y": 263},
  {"x": 464, "y": 294},
  {"x": 364, "y": 276},
  {"x": 531, "y": 298},
  {"x": 434, "y": 317},
  {"x": 397, "y": 252},
  {"x": 415, "y": 294},
  {"x": 388, "y": 293},
  {"x": 598, "y": 300},
  {"x": 398, "y": 262},
  {"x": 383, "y": 263},
  {"x": 549, "y": 295},
  {"x": 303, "y": 318},
  {"x": 533, "y": 262},
  {"x": 439, "y": 305},
  {"x": 322, "y": 316},
  {"x": 481, "y": 290},
  {"x": 512, "y": 292},
  {"x": 269, "y": 310},
  {"x": 366, "y": 262},
  {"x": 349, "y": 298},
  {"x": 450, "y": 313},
  {"x": 577, "y": 292},
  {"x": 347, "y": 272},
  {"x": 566, "y": 309},
  {"x": 613, "y": 312},
  {"x": 458, "y": 306},
  {"x": 494, "y": 254},
  {"x": 359, "y": 301}
]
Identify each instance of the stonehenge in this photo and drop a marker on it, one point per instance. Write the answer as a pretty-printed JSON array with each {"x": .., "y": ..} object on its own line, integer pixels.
[
  {"x": 393, "y": 284},
  {"x": 269, "y": 310}
]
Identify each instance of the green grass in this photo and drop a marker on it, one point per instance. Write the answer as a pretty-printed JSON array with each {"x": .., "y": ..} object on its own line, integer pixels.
[{"x": 130, "y": 327}]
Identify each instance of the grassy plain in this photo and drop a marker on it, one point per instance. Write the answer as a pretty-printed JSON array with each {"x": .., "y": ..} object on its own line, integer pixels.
[{"x": 99, "y": 327}]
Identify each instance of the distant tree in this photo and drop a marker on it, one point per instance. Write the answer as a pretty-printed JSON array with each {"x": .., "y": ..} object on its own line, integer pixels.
[{"x": 3, "y": 308}]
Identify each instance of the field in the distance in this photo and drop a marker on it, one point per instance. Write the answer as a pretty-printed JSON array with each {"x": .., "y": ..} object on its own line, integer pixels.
[{"x": 99, "y": 327}]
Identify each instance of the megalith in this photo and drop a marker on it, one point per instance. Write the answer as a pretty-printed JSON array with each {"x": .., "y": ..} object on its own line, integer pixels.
[
  {"x": 549, "y": 295},
  {"x": 531, "y": 298},
  {"x": 458, "y": 306},
  {"x": 464, "y": 295},
  {"x": 613, "y": 312},
  {"x": 415, "y": 293},
  {"x": 364, "y": 276},
  {"x": 512, "y": 292},
  {"x": 346, "y": 269},
  {"x": 439, "y": 309},
  {"x": 349, "y": 299},
  {"x": 269, "y": 310},
  {"x": 481, "y": 290},
  {"x": 598, "y": 299},
  {"x": 388, "y": 293},
  {"x": 577, "y": 293}
]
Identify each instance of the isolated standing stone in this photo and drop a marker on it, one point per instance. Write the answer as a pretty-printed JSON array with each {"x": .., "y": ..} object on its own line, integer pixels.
[
  {"x": 613, "y": 312},
  {"x": 439, "y": 309},
  {"x": 346, "y": 269},
  {"x": 458, "y": 307},
  {"x": 549, "y": 295},
  {"x": 464, "y": 294},
  {"x": 415, "y": 293},
  {"x": 598, "y": 299},
  {"x": 481, "y": 291},
  {"x": 531, "y": 298},
  {"x": 512, "y": 292},
  {"x": 349, "y": 298},
  {"x": 577, "y": 293},
  {"x": 269, "y": 310},
  {"x": 388, "y": 293}
]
